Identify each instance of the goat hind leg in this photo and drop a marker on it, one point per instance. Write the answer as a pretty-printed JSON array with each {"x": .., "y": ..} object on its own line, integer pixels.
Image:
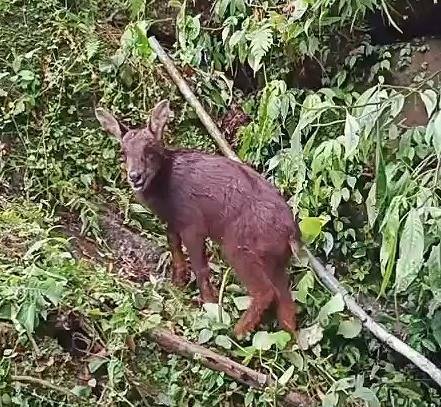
[
  {"x": 286, "y": 309},
  {"x": 261, "y": 301}
]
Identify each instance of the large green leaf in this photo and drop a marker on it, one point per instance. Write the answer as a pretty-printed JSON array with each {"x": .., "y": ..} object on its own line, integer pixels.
[
  {"x": 27, "y": 315},
  {"x": 261, "y": 41},
  {"x": 434, "y": 267},
  {"x": 262, "y": 340},
  {"x": 310, "y": 228},
  {"x": 435, "y": 324},
  {"x": 367, "y": 395},
  {"x": 352, "y": 135},
  {"x": 371, "y": 206},
  {"x": 436, "y": 140},
  {"x": 303, "y": 287},
  {"x": 334, "y": 305},
  {"x": 350, "y": 328},
  {"x": 411, "y": 251},
  {"x": 308, "y": 337},
  {"x": 389, "y": 229},
  {"x": 430, "y": 99}
]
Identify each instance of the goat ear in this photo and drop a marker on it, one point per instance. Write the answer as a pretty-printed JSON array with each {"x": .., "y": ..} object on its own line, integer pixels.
[
  {"x": 109, "y": 123},
  {"x": 160, "y": 115}
]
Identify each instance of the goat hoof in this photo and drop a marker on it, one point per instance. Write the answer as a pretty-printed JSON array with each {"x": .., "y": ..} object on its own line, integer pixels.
[
  {"x": 209, "y": 293},
  {"x": 209, "y": 298},
  {"x": 240, "y": 331}
]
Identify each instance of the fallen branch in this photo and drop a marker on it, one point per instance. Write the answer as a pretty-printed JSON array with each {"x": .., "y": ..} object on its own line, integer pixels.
[
  {"x": 192, "y": 100},
  {"x": 243, "y": 374},
  {"x": 327, "y": 279},
  {"x": 377, "y": 330},
  {"x": 43, "y": 383}
]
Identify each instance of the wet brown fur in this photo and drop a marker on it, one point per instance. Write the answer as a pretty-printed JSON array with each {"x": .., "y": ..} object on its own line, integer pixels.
[{"x": 198, "y": 196}]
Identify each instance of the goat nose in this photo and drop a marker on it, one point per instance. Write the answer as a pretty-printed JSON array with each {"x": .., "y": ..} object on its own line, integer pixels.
[{"x": 134, "y": 176}]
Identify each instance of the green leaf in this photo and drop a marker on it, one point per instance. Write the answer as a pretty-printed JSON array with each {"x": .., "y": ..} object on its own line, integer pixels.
[
  {"x": 349, "y": 328},
  {"x": 262, "y": 340},
  {"x": 371, "y": 206},
  {"x": 27, "y": 315},
  {"x": 261, "y": 41},
  {"x": 329, "y": 243},
  {"x": 95, "y": 363},
  {"x": 366, "y": 395},
  {"x": 299, "y": 7},
  {"x": 381, "y": 193},
  {"x": 280, "y": 339},
  {"x": 435, "y": 324},
  {"x": 397, "y": 104},
  {"x": 411, "y": 251},
  {"x": 136, "y": 7},
  {"x": 92, "y": 47},
  {"x": 334, "y": 305},
  {"x": 304, "y": 286},
  {"x": 82, "y": 391},
  {"x": 310, "y": 227},
  {"x": 436, "y": 140},
  {"x": 308, "y": 337},
  {"x": 284, "y": 379},
  {"x": 335, "y": 201},
  {"x": 53, "y": 290},
  {"x": 430, "y": 99},
  {"x": 223, "y": 341},
  {"x": 237, "y": 37},
  {"x": 242, "y": 303},
  {"x": 352, "y": 135},
  {"x": 389, "y": 230},
  {"x": 35, "y": 247},
  {"x": 296, "y": 359},
  {"x": 212, "y": 312},
  {"x": 27, "y": 75},
  {"x": 330, "y": 400},
  {"x": 204, "y": 336},
  {"x": 434, "y": 268}
]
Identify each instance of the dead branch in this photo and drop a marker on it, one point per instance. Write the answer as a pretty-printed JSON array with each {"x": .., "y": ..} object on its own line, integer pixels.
[
  {"x": 242, "y": 374},
  {"x": 189, "y": 96},
  {"x": 327, "y": 279},
  {"x": 377, "y": 330},
  {"x": 43, "y": 383}
]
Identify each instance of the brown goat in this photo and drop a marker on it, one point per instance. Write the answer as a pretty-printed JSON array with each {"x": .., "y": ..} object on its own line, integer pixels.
[{"x": 200, "y": 195}]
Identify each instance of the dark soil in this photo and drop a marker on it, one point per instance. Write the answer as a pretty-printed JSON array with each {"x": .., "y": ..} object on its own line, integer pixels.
[{"x": 131, "y": 256}]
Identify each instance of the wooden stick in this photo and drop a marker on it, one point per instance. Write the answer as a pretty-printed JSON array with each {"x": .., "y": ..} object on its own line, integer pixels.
[
  {"x": 377, "y": 330},
  {"x": 243, "y": 374},
  {"x": 43, "y": 383},
  {"x": 193, "y": 101},
  {"x": 328, "y": 280}
]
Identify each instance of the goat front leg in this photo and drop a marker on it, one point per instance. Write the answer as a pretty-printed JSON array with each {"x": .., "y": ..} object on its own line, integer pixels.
[
  {"x": 195, "y": 245},
  {"x": 180, "y": 273}
]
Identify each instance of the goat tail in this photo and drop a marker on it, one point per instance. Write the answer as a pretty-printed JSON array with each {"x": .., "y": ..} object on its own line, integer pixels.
[{"x": 295, "y": 247}]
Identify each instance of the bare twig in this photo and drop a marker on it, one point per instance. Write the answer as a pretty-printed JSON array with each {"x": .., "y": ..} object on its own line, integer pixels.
[
  {"x": 43, "y": 383},
  {"x": 326, "y": 278},
  {"x": 243, "y": 374},
  {"x": 192, "y": 100},
  {"x": 221, "y": 294}
]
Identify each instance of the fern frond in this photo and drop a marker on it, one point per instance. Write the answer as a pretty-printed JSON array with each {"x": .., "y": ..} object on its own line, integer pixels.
[
  {"x": 92, "y": 46},
  {"x": 261, "y": 41}
]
